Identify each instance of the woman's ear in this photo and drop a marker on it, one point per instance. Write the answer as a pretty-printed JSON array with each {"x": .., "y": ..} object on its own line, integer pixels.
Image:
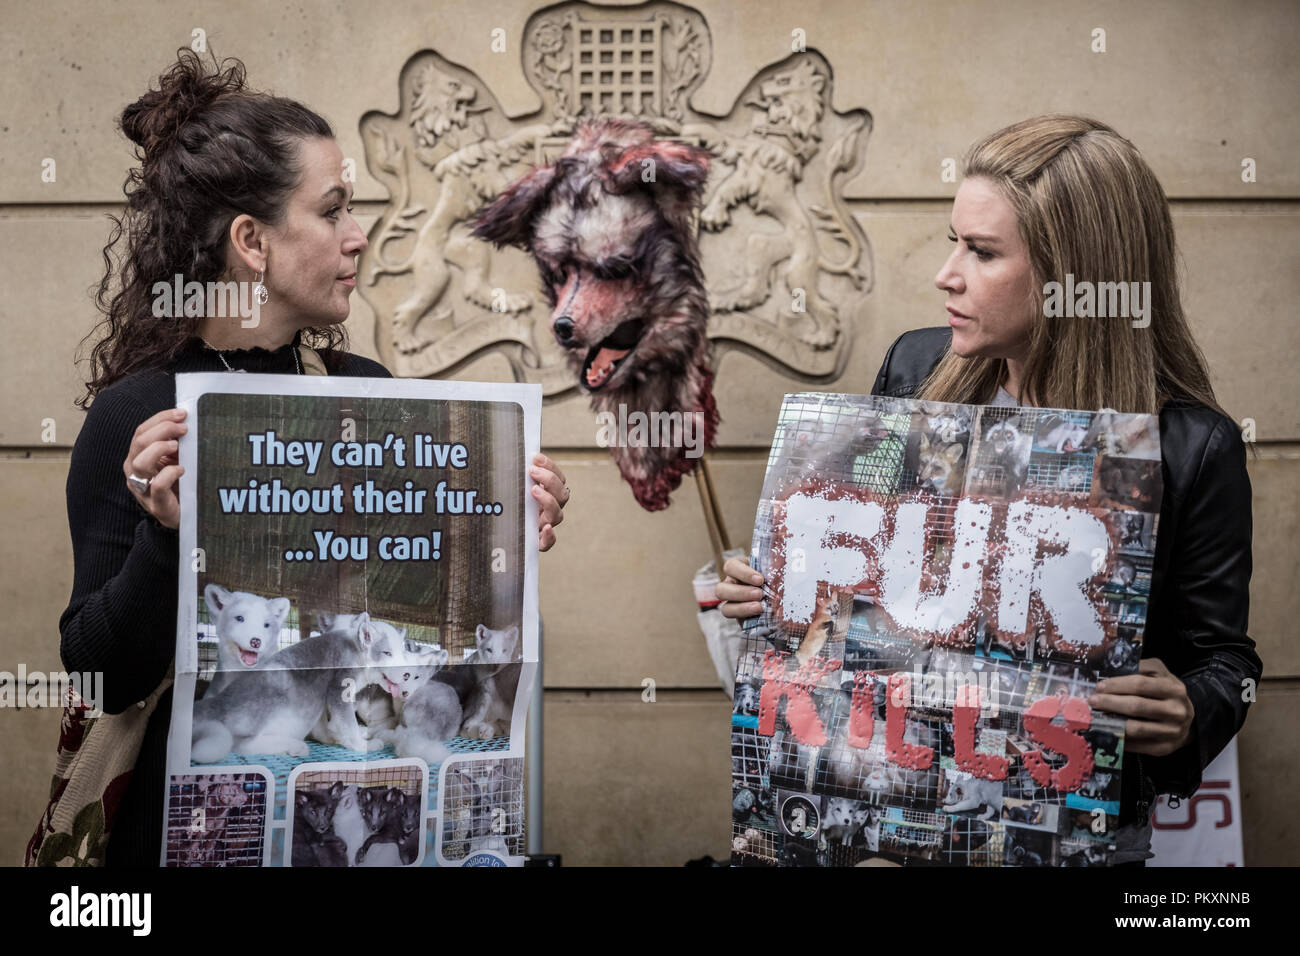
[
  {"x": 247, "y": 243},
  {"x": 508, "y": 219}
]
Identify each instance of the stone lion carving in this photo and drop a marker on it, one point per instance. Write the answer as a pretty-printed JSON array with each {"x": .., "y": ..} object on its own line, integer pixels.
[
  {"x": 470, "y": 168},
  {"x": 768, "y": 164}
]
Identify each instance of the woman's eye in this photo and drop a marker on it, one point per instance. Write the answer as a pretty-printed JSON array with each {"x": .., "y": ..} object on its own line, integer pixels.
[{"x": 980, "y": 254}]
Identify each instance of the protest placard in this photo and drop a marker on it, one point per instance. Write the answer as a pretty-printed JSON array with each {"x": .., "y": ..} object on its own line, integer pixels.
[
  {"x": 945, "y": 586},
  {"x": 357, "y": 622}
]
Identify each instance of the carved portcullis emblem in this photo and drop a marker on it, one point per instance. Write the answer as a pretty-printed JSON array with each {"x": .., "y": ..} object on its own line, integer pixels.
[{"x": 786, "y": 264}]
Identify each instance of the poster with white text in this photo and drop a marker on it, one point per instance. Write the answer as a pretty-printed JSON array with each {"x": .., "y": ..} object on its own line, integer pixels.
[
  {"x": 357, "y": 622},
  {"x": 945, "y": 586}
]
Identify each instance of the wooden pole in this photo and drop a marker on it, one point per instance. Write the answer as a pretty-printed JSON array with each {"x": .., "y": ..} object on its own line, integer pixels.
[
  {"x": 708, "y": 506},
  {"x": 719, "y": 540},
  {"x": 717, "y": 505}
]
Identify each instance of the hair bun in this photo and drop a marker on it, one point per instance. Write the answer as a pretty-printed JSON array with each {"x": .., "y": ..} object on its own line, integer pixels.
[{"x": 154, "y": 120}]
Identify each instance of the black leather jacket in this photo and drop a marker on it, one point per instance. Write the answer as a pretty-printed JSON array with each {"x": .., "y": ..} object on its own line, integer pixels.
[{"x": 1196, "y": 614}]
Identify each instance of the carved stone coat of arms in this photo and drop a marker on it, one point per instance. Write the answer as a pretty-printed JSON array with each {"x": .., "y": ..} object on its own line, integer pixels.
[{"x": 786, "y": 264}]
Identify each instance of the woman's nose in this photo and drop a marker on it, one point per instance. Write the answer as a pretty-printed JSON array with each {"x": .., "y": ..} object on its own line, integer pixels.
[
  {"x": 947, "y": 279},
  {"x": 356, "y": 241}
]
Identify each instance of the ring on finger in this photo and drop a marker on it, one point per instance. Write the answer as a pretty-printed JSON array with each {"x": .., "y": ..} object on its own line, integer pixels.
[{"x": 141, "y": 485}]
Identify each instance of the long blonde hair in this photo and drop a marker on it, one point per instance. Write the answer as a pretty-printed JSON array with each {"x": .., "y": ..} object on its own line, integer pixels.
[{"x": 1087, "y": 205}]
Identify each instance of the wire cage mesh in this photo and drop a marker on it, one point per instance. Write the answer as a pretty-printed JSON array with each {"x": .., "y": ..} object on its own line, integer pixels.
[
  {"x": 483, "y": 808},
  {"x": 407, "y": 778},
  {"x": 910, "y": 832},
  {"x": 216, "y": 820},
  {"x": 752, "y": 845},
  {"x": 995, "y": 453},
  {"x": 750, "y": 758}
]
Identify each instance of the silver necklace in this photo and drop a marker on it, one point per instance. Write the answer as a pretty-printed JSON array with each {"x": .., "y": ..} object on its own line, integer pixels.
[{"x": 296, "y": 361}]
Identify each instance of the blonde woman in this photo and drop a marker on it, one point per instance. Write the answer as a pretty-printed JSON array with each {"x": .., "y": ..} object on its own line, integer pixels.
[{"x": 1059, "y": 196}]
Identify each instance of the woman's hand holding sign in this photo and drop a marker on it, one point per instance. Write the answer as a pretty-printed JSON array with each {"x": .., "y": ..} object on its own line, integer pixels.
[
  {"x": 1155, "y": 701},
  {"x": 552, "y": 494},
  {"x": 740, "y": 591},
  {"x": 152, "y": 463}
]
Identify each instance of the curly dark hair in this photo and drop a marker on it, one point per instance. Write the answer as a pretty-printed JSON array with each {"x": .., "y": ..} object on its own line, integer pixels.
[{"x": 210, "y": 150}]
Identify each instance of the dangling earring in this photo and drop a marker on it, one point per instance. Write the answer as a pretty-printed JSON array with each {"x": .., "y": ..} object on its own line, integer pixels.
[{"x": 259, "y": 290}]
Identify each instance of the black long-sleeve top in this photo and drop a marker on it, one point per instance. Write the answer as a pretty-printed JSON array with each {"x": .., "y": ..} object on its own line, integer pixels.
[{"x": 121, "y": 618}]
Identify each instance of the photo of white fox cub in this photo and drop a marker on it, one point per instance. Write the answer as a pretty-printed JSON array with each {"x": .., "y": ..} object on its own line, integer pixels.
[{"x": 247, "y": 626}]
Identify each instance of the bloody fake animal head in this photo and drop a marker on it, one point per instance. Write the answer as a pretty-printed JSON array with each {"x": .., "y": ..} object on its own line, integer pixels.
[{"x": 609, "y": 226}]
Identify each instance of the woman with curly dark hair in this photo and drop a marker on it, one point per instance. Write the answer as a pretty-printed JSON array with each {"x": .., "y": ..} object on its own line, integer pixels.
[{"x": 234, "y": 186}]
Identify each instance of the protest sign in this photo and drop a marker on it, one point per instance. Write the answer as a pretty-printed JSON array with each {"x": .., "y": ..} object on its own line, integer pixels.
[
  {"x": 357, "y": 622},
  {"x": 1205, "y": 828},
  {"x": 945, "y": 586}
]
